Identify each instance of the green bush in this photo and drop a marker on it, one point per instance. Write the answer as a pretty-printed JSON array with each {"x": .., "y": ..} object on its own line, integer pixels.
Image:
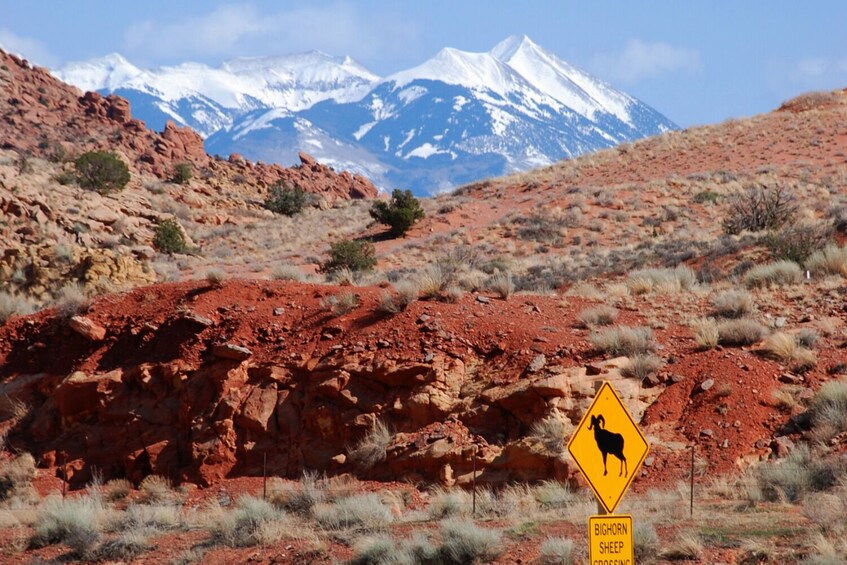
[
  {"x": 400, "y": 213},
  {"x": 286, "y": 200},
  {"x": 168, "y": 237},
  {"x": 101, "y": 171},
  {"x": 796, "y": 243},
  {"x": 350, "y": 254},
  {"x": 182, "y": 173}
]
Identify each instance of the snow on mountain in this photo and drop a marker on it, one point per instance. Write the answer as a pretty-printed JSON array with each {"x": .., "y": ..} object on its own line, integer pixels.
[{"x": 455, "y": 118}]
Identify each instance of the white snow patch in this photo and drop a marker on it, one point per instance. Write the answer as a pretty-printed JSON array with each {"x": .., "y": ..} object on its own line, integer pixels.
[
  {"x": 409, "y": 95},
  {"x": 425, "y": 151},
  {"x": 363, "y": 129}
]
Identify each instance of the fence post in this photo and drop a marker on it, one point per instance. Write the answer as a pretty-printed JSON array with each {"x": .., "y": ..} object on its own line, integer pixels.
[
  {"x": 691, "y": 502},
  {"x": 473, "y": 479},
  {"x": 264, "y": 476}
]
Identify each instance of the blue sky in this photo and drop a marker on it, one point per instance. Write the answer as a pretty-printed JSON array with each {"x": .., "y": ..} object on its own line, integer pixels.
[{"x": 697, "y": 62}]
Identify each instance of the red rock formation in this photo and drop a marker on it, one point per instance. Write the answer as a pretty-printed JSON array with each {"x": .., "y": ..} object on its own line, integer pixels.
[{"x": 39, "y": 113}]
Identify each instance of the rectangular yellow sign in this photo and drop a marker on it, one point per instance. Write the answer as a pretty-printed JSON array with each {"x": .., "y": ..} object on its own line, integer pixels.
[{"x": 610, "y": 540}]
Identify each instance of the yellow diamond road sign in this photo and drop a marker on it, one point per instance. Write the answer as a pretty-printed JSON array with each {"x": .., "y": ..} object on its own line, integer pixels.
[{"x": 608, "y": 447}]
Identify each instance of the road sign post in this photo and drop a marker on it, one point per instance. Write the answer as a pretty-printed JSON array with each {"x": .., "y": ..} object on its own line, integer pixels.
[
  {"x": 608, "y": 447},
  {"x": 610, "y": 540}
]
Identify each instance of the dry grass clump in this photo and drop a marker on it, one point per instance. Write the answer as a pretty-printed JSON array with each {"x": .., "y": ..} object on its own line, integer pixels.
[
  {"x": 642, "y": 366},
  {"x": 362, "y": 512},
  {"x": 16, "y": 476},
  {"x": 75, "y": 522},
  {"x": 71, "y": 301},
  {"x": 742, "y": 331},
  {"x": 788, "y": 349},
  {"x": 448, "y": 502},
  {"x": 287, "y": 273},
  {"x": 623, "y": 340},
  {"x": 215, "y": 277},
  {"x": 407, "y": 292},
  {"x": 156, "y": 489},
  {"x": 340, "y": 304},
  {"x": 645, "y": 541},
  {"x": 462, "y": 541},
  {"x": 253, "y": 522},
  {"x": 117, "y": 489},
  {"x": 299, "y": 498},
  {"x": 556, "y": 551},
  {"x": 800, "y": 473},
  {"x": 370, "y": 450},
  {"x": 831, "y": 260},
  {"x": 601, "y": 315},
  {"x": 733, "y": 304},
  {"x": 432, "y": 281},
  {"x": 502, "y": 285},
  {"x": 687, "y": 546},
  {"x": 706, "y": 333},
  {"x": 12, "y": 305},
  {"x": 780, "y": 273},
  {"x": 551, "y": 433},
  {"x": 828, "y": 410},
  {"x": 664, "y": 281}
]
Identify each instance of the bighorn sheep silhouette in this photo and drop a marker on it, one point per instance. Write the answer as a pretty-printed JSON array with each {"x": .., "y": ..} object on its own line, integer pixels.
[{"x": 608, "y": 442}]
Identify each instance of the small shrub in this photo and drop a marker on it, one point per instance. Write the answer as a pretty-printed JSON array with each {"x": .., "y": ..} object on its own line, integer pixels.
[
  {"x": 556, "y": 551},
  {"x": 418, "y": 550},
  {"x": 733, "y": 304},
  {"x": 168, "y": 237},
  {"x": 182, "y": 173},
  {"x": 101, "y": 171},
  {"x": 796, "y": 243},
  {"x": 779, "y": 273},
  {"x": 400, "y": 213},
  {"x": 340, "y": 304},
  {"x": 623, "y": 340},
  {"x": 462, "y": 541},
  {"x": 807, "y": 337},
  {"x": 541, "y": 227},
  {"x": 706, "y": 196},
  {"x": 350, "y": 254},
  {"x": 831, "y": 260},
  {"x": 743, "y": 331},
  {"x": 760, "y": 208},
  {"x": 285, "y": 200},
  {"x": 642, "y": 366},
  {"x": 597, "y": 316},
  {"x": 370, "y": 450}
]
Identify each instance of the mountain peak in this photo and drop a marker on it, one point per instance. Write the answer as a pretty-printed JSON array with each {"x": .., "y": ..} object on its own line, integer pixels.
[{"x": 507, "y": 48}]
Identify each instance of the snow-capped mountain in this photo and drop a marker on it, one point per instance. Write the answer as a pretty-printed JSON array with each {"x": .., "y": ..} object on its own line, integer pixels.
[{"x": 457, "y": 117}]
